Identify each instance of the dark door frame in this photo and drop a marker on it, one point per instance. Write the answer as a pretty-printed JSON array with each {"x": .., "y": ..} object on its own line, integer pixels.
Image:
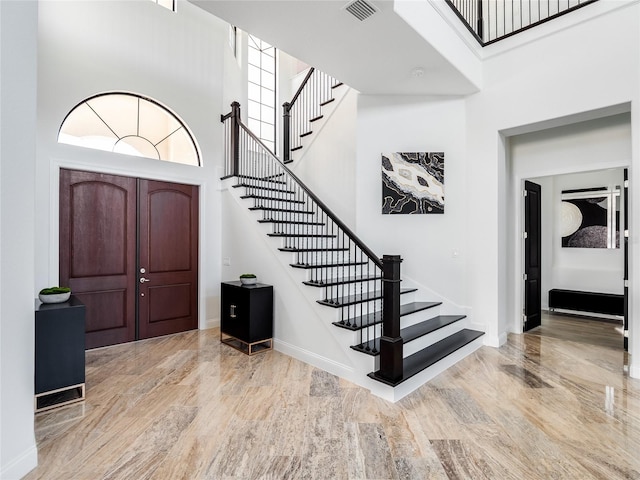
[{"x": 532, "y": 249}]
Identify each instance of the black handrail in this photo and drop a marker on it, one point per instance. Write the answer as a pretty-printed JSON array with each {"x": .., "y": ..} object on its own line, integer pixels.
[
  {"x": 301, "y": 87},
  {"x": 359, "y": 243},
  {"x": 482, "y": 19},
  {"x": 304, "y": 108}
]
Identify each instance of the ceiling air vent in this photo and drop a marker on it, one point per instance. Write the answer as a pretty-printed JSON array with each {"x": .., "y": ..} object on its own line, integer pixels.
[{"x": 360, "y": 9}]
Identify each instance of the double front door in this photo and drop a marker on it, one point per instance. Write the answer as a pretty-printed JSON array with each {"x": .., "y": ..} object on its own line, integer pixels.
[{"x": 129, "y": 252}]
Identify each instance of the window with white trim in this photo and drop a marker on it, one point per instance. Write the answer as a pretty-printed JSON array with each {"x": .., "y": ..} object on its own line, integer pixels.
[
  {"x": 261, "y": 72},
  {"x": 131, "y": 124}
]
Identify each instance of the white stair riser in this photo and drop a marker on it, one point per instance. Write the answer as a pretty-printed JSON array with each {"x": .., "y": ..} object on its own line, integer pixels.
[
  {"x": 431, "y": 338},
  {"x": 417, "y": 317}
]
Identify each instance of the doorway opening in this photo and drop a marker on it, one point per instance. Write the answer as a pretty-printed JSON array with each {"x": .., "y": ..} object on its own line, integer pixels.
[{"x": 583, "y": 279}]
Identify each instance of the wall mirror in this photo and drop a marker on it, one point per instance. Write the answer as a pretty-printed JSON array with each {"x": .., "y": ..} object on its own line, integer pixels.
[{"x": 590, "y": 217}]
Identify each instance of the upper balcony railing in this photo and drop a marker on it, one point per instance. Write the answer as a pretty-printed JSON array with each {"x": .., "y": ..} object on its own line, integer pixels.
[{"x": 493, "y": 20}]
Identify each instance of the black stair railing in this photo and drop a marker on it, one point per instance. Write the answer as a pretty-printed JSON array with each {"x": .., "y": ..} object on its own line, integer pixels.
[
  {"x": 493, "y": 20},
  {"x": 305, "y": 108},
  {"x": 336, "y": 258}
]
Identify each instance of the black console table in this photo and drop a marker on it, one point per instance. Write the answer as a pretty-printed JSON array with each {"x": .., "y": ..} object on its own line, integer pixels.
[
  {"x": 59, "y": 353},
  {"x": 608, "y": 303},
  {"x": 246, "y": 319}
]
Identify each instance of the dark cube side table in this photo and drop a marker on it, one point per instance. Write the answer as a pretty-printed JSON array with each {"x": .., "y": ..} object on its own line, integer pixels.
[
  {"x": 246, "y": 317},
  {"x": 59, "y": 353}
]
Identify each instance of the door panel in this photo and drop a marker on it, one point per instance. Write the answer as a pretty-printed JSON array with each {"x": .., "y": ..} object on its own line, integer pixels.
[
  {"x": 168, "y": 243},
  {"x": 97, "y": 251},
  {"x": 532, "y": 256}
]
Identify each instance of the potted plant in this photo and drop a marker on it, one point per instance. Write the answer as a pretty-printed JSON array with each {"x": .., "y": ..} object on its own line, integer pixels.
[
  {"x": 54, "y": 294},
  {"x": 248, "y": 279}
]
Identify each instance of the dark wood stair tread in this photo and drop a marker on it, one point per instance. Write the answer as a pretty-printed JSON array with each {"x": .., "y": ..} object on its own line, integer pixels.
[
  {"x": 327, "y": 102},
  {"x": 289, "y": 222},
  {"x": 358, "y": 298},
  {"x": 288, "y": 210},
  {"x": 302, "y": 235},
  {"x": 269, "y": 179},
  {"x": 330, "y": 282},
  {"x": 257, "y": 187},
  {"x": 414, "y": 364},
  {"x": 374, "y": 318},
  {"x": 410, "y": 333},
  {"x": 296, "y": 148},
  {"x": 306, "y": 134},
  {"x": 326, "y": 265},
  {"x": 298, "y": 250},
  {"x": 275, "y": 199}
]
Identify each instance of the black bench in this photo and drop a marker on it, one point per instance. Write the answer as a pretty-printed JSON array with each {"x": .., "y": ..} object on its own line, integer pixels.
[{"x": 608, "y": 303}]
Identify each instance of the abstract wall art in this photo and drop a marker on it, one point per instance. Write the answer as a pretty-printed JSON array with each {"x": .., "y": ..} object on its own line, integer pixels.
[
  {"x": 590, "y": 218},
  {"x": 412, "y": 182}
]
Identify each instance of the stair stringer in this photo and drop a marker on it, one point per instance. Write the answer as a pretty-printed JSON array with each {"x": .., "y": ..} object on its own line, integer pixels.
[{"x": 301, "y": 300}]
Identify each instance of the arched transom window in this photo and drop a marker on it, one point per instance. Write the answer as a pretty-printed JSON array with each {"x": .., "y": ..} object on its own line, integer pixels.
[{"x": 130, "y": 124}]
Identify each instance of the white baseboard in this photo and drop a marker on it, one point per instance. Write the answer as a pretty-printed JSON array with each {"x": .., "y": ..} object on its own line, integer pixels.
[
  {"x": 324, "y": 363},
  {"x": 211, "y": 323},
  {"x": 634, "y": 370},
  {"x": 20, "y": 466},
  {"x": 495, "y": 341}
]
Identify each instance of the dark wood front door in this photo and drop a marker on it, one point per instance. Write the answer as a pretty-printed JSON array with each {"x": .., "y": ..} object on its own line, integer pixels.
[
  {"x": 168, "y": 262},
  {"x": 532, "y": 256},
  {"x": 98, "y": 252},
  {"x": 111, "y": 227}
]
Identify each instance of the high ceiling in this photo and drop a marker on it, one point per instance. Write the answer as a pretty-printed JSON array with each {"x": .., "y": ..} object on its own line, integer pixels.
[{"x": 378, "y": 55}]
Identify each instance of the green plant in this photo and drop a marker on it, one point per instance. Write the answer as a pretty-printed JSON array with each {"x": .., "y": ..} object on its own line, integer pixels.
[
  {"x": 54, "y": 290},
  {"x": 247, "y": 275}
]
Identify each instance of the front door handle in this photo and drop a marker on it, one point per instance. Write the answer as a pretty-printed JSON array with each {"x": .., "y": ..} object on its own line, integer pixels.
[{"x": 142, "y": 280}]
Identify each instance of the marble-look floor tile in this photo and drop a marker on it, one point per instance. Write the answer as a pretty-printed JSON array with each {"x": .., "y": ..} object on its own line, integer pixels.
[
  {"x": 323, "y": 384},
  {"x": 459, "y": 462},
  {"x": 187, "y": 407},
  {"x": 528, "y": 378}
]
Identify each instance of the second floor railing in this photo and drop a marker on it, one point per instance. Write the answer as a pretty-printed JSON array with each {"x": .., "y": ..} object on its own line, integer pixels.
[
  {"x": 493, "y": 20},
  {"x": 305, "y": 108}
]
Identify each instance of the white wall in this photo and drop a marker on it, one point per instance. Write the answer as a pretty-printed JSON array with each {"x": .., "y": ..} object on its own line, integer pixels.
[
  {"x": 582, "y": 76},
  {"x": 181, "y": 59},
  {"x": 18, "y": 67},
  {"x": 326, "y": 162},
  {"x": 581, "y": 147},
  {"x": 435, "y": 248}
]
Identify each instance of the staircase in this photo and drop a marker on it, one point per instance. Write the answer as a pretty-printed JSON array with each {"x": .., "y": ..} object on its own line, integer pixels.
[{"x": 406, "y": 341}]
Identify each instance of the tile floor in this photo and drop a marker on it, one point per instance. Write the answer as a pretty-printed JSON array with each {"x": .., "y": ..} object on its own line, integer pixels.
[{"x": 551, "y": 404}]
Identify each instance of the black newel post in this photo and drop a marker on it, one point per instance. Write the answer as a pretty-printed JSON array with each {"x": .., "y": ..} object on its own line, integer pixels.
[
  {"x": 235, "y": 138},
  {"x": 480, "y": 25},
  {"x": 391, "y": 341},
  {"x": 286, "y": 140}
]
